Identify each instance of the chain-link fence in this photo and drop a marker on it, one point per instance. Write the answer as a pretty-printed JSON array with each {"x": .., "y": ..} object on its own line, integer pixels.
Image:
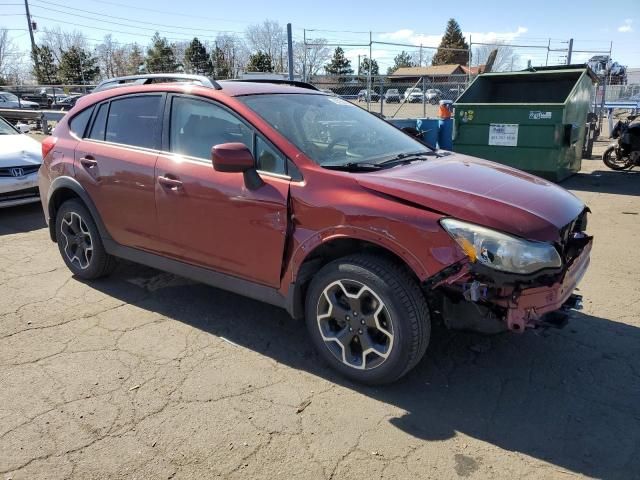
[
  {"x": 396, "y": 96},
  {"x": 45, "y": 96}
]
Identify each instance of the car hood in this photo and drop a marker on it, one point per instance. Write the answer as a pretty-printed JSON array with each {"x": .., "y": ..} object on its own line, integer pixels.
[
  {"x": 19, "y": 150},
  {"x": 481, "y": 192}
]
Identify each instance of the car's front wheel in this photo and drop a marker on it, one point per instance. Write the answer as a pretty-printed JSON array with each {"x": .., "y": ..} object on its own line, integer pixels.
[
  {"x": 79, "y": 242},
  {"x": 368, "y": 318}
]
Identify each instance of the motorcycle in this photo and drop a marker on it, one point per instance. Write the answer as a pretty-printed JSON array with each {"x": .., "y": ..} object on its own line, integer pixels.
[{"x": 625, "y": 152}]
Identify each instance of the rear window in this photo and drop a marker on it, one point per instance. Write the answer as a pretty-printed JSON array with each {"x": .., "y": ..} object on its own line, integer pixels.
[
  {"x": 78, "y": 124},
  {"x": 135, "y": 121}
]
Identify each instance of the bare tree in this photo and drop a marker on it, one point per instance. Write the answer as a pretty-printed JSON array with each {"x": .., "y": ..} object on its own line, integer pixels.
[
  {"x": 235, "y": 52},
  {"x": 14, "y": 66},
  {"x": 317, "y": 54},
  {"x": 60, "y": 41},
  {"x": 505, "y": 60},
  {"x": 7, "y": 52},
  {"x": 270, "y": 38}
]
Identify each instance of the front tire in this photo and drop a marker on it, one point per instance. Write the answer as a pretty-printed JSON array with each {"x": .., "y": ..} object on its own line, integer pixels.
[
  {"x": 367, "y": 318},
  {"x": 79, "y": 242},
  {"x": 611, "y": 160}
]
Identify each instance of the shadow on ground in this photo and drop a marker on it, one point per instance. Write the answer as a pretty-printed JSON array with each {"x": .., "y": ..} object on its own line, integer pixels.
[
  {"x": 569, "y": 397},
  {"x": 625, "y": 182},
  {"x": 24, "y": 218}
]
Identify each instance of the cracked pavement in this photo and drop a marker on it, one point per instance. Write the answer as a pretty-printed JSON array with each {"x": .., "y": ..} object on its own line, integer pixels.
[{"x": 147, "y": 375}]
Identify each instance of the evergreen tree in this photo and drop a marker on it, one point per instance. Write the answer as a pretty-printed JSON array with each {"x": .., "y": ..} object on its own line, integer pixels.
[
  {"x": 197, "y": 59},
  {"x": 135, "y": 60},
  {"x": 221, "y": 65},
  {"x": 402, "y": 60},
  {"x": 77, "y": 66},
  {"x": 366, "y": 64},
  {"x": 452, "y": 38},
  {"x": 160, "y": 56},
  {"x": 339, "y": 64},
  {"x": 44, "y": 66},
  {"x": 260, "y": 62}
]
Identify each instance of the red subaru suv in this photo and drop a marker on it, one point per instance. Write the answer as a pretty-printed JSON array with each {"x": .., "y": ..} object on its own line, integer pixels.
[{"x": 282, "y": 193}]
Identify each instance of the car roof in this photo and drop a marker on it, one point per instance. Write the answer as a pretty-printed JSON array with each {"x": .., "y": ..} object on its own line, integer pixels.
[{"x": 228, "y": 88}]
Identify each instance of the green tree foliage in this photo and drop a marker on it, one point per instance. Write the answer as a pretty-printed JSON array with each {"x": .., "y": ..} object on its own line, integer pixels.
[
  {"x": 135, "y": 60},
  {"x": 160, "y": 56},
  {"x": 197, "y": 59},
  {"x": 452, "y": 38},
  {"x": 44, "y": 66},
  {"x": 366, "y": 64},
  {"x": 260, "y": 62},
  {"x": 77, "y": 66},
  {"x": 402, "y": 60},
  {"x": 339, "y": 64}
]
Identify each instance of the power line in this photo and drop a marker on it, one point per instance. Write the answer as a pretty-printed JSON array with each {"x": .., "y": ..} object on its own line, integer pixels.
[{"x": 121, "y": 18}]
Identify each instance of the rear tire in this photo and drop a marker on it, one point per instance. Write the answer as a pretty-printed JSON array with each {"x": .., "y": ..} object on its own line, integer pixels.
[
  {"x": 611, "y": 160},
  {"x": 367, "y": 318},
  {"x": 79, "y": 242}
]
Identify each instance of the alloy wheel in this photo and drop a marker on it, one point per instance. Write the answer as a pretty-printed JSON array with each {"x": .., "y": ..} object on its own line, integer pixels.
[
  {"x": 78, "y": 246},
  {"x": 355, "y": 324}
]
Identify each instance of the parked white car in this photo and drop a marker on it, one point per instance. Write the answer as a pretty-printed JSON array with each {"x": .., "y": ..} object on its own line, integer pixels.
[
  {"x": 413, "y": 95},
  {"x": 20, "y": 160},
  {"x": 9, "y": 100}
]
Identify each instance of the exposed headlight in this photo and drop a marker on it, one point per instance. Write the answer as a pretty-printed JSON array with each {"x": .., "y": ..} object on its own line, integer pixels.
[{"x": 501, "y": 251}]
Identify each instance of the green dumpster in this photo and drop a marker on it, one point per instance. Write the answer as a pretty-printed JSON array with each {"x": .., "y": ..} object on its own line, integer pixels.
[{"x": 531, "y": 120}]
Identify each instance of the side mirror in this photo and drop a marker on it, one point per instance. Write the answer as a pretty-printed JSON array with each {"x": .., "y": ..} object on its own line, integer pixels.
[{"x": 236, "y": 158}]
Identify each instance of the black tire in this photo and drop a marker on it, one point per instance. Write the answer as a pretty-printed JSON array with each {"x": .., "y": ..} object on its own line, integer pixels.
[
  {"x": 614, "y": 164},
  {"x": 89, "y": 266},
  {"x": 405, "y": 312}
]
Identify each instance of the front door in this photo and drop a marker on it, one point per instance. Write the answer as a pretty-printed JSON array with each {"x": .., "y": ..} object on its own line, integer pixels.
[
  {"x": 115, "y": 163},
  {"x": 210, "y": 218}
]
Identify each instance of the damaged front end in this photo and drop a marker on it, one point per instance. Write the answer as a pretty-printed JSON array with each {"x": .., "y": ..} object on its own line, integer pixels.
[{"x": 475, "y": 295}]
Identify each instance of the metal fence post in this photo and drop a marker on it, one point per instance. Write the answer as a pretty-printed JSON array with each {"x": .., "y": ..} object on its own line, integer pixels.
[
  {"x": 424, "y": 97},
  {"x": 381, "y": 95}
]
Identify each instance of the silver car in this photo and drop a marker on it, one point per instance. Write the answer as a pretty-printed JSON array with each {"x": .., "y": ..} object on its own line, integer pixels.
[
  {"x": 20, "y": 160},
  {"x": 9, "y": 100}
]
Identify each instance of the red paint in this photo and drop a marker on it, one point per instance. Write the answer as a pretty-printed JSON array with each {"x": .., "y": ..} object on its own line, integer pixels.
[{"x": 186, "y": 210}]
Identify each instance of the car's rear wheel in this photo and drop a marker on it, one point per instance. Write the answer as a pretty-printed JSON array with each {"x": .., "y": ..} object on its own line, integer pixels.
[
  {"x": 79, "y": 242},
  {"x": 367, "y": 318}
]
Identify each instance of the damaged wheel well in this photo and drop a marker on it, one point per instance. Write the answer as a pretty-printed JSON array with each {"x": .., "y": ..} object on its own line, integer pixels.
[{"x": 328, "y": 252}]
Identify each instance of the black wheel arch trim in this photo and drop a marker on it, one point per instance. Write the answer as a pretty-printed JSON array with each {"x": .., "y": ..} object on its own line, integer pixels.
[{"x": 72, "y": 184}]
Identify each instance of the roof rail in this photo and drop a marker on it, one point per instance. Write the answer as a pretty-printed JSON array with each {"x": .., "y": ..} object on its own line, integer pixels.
[
  {"x": 147, "y": 78},
  {"x": 293, "y": 83}
]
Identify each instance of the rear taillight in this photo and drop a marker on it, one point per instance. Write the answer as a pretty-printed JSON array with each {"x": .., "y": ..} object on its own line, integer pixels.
[{"x": 47, "y": 144}]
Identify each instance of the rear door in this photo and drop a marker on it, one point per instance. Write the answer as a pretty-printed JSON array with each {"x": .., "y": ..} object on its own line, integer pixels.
[
  {"x": 115, "y": 163},
  {"x": 210, "y": 218}
]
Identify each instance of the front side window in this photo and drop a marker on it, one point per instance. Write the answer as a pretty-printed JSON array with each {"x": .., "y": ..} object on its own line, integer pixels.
[
  {"x": 197, "y": 125},
  {"x": 332, "y": 131},
  {"x": 268, "y": 159},
  {"x": 135, "y": 121}
]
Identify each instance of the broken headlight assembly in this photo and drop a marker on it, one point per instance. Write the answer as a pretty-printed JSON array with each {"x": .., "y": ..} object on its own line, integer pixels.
[{"x": 501, "y": 251}]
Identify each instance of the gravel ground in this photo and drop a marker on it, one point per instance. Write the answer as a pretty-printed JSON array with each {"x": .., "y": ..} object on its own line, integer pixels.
[{"x": 147, "y": 375}]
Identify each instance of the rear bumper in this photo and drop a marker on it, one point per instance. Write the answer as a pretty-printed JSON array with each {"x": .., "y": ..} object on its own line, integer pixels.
[{"x": 525, "y": 308}]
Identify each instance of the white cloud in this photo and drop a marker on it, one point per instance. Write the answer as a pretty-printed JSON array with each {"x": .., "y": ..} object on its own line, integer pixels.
[
  {"x": 626, "y": 26},
  {"x": 410, "y": 37}
]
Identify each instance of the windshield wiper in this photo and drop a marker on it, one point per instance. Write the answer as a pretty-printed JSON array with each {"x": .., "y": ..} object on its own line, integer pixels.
[
  {"x": 405, "y": 158},
  {"x": 354, "y": 166}
]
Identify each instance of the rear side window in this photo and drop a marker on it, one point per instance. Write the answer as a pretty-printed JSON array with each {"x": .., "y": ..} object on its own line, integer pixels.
[
  {"x": 78, "y": 124},
  {"x": 135, "y": 121},
  {"x": 97, "y": 129}
]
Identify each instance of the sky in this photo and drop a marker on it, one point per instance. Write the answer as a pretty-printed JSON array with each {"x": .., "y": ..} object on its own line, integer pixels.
[{"x": 531, "y": 25}]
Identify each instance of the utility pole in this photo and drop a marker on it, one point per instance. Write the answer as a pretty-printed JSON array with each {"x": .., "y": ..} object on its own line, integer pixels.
[
  {"x": 290, "y": 52},
  {"x": 570, "y": 51},
  {"x": 33, "y": 41}
]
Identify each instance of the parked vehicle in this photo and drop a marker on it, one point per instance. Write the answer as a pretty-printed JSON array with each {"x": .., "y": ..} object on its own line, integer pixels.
[
  {"x": 20, "y": 159},
  {"x": 413, "y": 95},
  {"x": 625, "y": 151},
  {"x": 303, "y": 200},
  {"x": 67, "y": 103},
  {"x": 392, "y": 96},
  {"x": 9, "y": 100},
  {"x": 433, "y": 95},
  {"x": 366, "y": 96}
]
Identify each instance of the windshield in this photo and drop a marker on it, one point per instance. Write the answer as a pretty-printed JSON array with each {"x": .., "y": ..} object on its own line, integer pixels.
[
  {"x": 6, "y": 129},
  {"x": 9, "y": 97},
  {"x": 332, "y": 131}
]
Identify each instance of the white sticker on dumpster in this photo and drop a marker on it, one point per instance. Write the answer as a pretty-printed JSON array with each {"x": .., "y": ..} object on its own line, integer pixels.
[{"x": 503, "y": 134}]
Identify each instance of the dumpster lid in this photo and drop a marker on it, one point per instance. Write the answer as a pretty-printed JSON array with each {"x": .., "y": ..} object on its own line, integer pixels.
[{"x": 536, "y": 86}]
